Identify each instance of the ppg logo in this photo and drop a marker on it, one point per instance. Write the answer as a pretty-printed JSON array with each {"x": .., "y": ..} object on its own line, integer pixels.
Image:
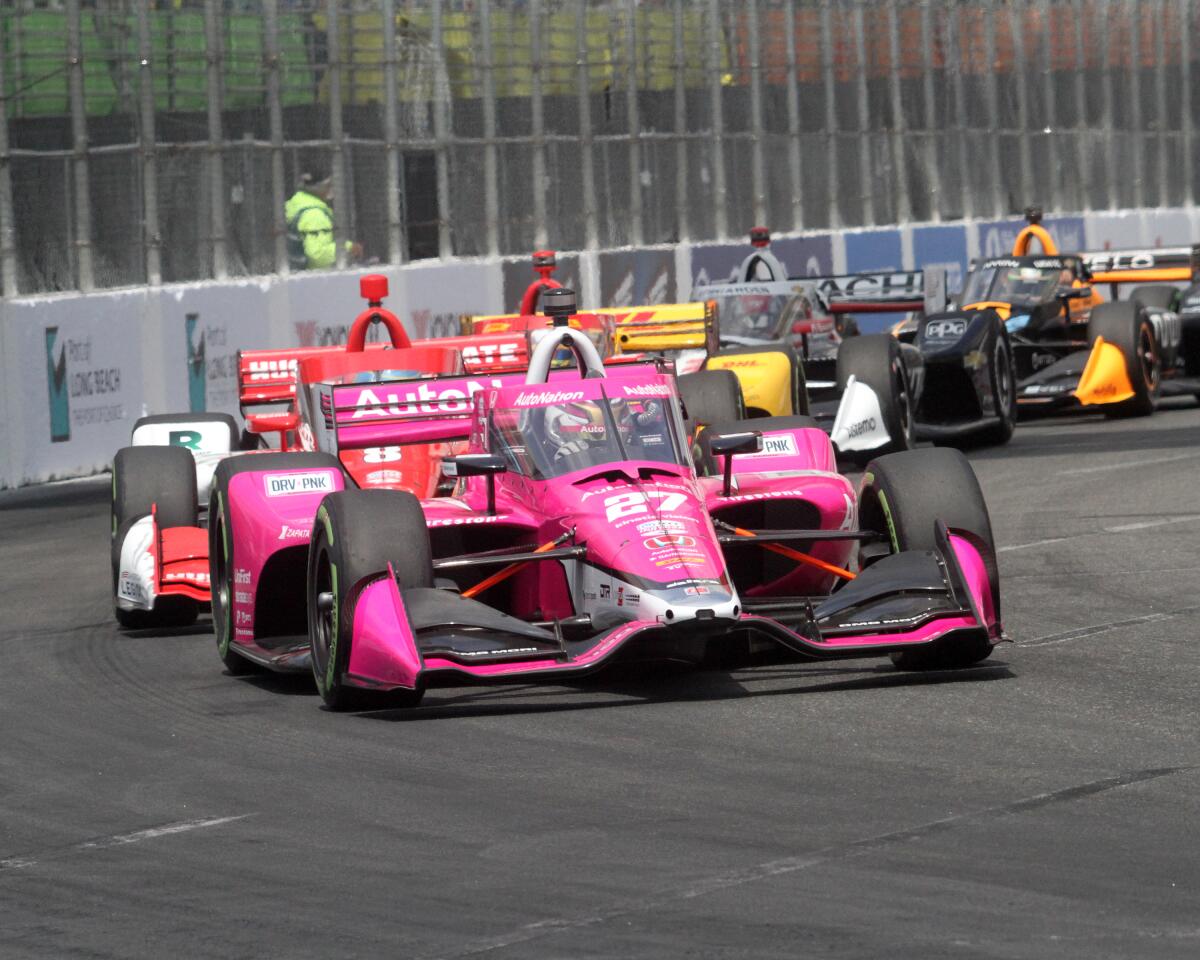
[{"x": 945, "y": 329}]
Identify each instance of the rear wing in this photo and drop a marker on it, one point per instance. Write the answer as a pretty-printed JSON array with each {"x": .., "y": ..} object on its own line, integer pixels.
[
  {"x": 665, "y": 326},
  {"x": 1155, "y": 265},
  {"x": 887, "y": 292},
  {"x": 427, "y": 410}
]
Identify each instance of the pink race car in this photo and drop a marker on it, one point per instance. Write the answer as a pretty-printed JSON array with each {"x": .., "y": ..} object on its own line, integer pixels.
[{"x": 582, "y": 532}]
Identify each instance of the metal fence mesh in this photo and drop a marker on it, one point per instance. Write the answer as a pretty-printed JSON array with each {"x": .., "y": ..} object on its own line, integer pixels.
[{"x": 143, "y": 142}]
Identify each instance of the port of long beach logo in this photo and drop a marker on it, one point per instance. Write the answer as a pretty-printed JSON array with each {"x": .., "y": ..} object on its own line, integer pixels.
[
  {"x": 56, "y": 380},
  {"x": 197, "y": 366}
]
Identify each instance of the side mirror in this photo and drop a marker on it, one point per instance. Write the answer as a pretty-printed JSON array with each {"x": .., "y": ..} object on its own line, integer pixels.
[
  {"x": 729, "y": 445},
  {"x": 1073, "y": 293},
  {"x": 477, "y": 465},
  {"x": 474, "y": 465}
]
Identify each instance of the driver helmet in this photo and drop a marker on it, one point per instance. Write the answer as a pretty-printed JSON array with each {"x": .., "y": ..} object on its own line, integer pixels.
[{"x": 573, "y": 427}]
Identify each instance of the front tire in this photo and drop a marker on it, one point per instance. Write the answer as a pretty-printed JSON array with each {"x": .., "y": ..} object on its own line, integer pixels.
[
  {"x": 1124, "y": 324},
  {"x": 356, "y": 535},
  {"x": 162, "y": 479},
  {"x": 1004, "y": 390},
  {"x": 905, "y": 494}
]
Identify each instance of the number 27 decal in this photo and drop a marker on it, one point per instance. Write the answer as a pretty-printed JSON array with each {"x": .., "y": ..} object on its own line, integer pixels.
[{"x": 633, "y": 503}]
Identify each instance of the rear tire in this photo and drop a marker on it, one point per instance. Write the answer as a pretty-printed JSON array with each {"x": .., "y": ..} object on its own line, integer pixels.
[
  {"x": 1161, "y": 296},
  {"x": 874, "y": 359},
  {"x": 162, "y": 479},
  {"x": 905, "y": 494},
  {"x": 1124, "y": 324},
  {"x": 222, "y": 551},
  {"x": 356, "y": 534},
  {"x": 710, "y": 396}
]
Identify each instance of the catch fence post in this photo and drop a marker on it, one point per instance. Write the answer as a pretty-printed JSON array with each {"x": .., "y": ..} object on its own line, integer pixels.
[
  {"x": 8, "y": 246},
  {"x": 633, "y": 121},
  {"x": 796, "y": 181},
  {"x": 151, "y": 240},
  {"x": 758, "y": 177},
  {"x": 216, "y": 139},
  {"x": 441, "y": 136},
  {"x": 587, "y": 159},
  {"x": 537, "y": 126},
  {"x": 333, "y": 33},
  {"x": 85, "y": 273},
  {"x": 275, "y": 120},
  {"x": 715, "y": 81},
  {"x": 397, "y": 248},
  {"x": 491, "y": 189}
]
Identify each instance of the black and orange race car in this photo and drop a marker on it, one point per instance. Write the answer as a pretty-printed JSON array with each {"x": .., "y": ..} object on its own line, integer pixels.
[{"x": 1072, "y": 347}]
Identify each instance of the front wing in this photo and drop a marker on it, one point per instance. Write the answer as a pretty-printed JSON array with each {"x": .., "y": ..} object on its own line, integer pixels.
[{"x": 414, "y": 638}]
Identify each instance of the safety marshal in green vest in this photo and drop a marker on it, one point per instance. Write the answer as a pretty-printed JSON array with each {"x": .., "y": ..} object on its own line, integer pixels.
[{"x": 309, "y": 216}]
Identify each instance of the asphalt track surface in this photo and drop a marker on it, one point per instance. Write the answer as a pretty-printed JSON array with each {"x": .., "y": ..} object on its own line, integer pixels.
[{"x": 1044, "y": 805}]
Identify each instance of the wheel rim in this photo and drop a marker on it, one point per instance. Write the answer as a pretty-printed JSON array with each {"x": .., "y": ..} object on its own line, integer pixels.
[
  {"x": 1005, "y": 394},
  {"x": 320, "y": 621},
  {"x": 1148, "y": 358}
]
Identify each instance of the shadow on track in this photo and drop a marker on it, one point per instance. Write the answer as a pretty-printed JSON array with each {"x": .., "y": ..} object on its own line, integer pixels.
[
  {"x": 1084, "y": 441},
  {"x": 682, "y": 685}
]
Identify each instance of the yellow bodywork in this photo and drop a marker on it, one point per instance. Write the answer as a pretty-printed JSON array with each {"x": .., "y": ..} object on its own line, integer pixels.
[
  {"x": 664, "y": 326},
  {"x": 766, "y": 379},
  {"x": 1105, "y": 378}
]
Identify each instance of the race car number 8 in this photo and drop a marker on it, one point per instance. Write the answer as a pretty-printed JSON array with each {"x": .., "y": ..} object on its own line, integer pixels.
[{"x": 631, "y": 504}]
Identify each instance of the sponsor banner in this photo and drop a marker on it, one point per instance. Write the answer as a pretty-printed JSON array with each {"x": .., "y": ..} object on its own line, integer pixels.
[
  {"x": 73, "y": 372},
  {"x": 435, "y": 295},
  {"x": 944, "y": 247},
  {"x": 873, "y": 250},
  {"x": 718, "y": 262},
  {"x": 996, "y": 237},
  {"x": 805, "y": 256},
  {"x": 517, "y": 274},
  {"x": 203, "y": 328},
  {"x": 637, "y": 277},
  {"x": 318, "y": 309}
]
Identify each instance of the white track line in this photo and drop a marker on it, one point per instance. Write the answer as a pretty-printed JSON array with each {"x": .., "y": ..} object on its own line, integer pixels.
[
  {"x": 1104, "y": 468},
  {"x": 1146, "y": 524},
  {"x": 120, "y": 839},
  {"x": 1080, "y": 633},
  {"x": 1035, "y": 543}
]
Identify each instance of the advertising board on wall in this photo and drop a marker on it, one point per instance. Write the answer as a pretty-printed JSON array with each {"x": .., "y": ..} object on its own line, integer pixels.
[{"x": 76, "y": 387}]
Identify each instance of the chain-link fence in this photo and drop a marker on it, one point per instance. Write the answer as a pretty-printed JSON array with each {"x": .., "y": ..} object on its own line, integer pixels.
[{"x": 143, "y": 142}]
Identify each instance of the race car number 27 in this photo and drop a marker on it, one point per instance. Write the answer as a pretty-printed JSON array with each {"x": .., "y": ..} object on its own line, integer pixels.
[{"x": 633, "y": 503}]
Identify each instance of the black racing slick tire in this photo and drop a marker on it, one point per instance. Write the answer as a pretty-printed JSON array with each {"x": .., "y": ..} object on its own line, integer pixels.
[
  {"x": 356, "y": 535},
  {"x": 1160, "y": 296},
  {"x": 1003, "y": 375},
  {"x": 710, "y": 396},
  {"x": 1125, "y": 324},
  {"x": 222, "y": 546},
  {"x": 162, "y": 479},
  {"x": 903, "y": 495},
  {"x": 874, "y": 359}
]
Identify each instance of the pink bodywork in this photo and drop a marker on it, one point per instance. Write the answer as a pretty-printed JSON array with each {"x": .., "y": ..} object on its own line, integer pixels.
[{"x": 799, "y": 464}]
